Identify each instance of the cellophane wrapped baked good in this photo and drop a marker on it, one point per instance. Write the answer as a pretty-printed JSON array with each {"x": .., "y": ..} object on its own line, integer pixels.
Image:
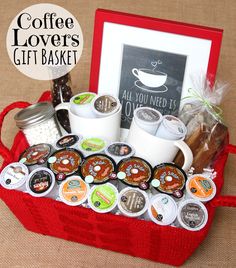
[{"x": 206, "y": 131}]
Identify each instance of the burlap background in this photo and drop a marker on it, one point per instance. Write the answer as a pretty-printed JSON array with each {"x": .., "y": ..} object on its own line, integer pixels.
[{"x": 20, "y": 248}]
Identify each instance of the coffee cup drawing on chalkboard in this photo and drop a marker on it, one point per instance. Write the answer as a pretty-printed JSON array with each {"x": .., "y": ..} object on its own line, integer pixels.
[{"x": 150, "y": 79}]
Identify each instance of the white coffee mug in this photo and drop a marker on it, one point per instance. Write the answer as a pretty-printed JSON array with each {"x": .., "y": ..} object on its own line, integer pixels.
[
  {"x": 157, "y": 150},
  {"x": 107, "y": 127}
]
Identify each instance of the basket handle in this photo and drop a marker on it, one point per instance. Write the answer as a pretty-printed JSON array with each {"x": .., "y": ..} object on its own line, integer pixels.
[
  {"x": 226, "y": 200},
  {"x": 4, "y": 151}
]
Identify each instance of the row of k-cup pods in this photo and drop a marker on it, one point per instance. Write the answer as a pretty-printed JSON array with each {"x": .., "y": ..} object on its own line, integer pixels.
[
  {"x": 167, "y": 127},
  {"x": 90, "y": 105},
  {"x": 162, "y": 209},
  {"x": 101, "y": 168}
]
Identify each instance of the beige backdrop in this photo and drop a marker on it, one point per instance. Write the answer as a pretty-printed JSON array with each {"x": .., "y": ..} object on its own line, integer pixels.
[{"x": 20, "y": 248}]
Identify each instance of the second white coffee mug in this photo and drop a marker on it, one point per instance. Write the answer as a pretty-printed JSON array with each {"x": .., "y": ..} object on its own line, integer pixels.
[
  {"x": 157, "y": 150},
  {"x": 107, "y": 127}
]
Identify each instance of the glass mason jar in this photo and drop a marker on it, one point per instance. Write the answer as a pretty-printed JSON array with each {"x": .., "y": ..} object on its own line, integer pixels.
[{"x": 38, "y": 123}]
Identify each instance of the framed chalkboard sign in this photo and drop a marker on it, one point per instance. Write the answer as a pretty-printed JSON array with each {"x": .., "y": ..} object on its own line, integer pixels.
[{"x": 149, "y": 62}]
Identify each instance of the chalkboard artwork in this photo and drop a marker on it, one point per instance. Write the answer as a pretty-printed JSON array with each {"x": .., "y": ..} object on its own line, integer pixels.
[{"x": 150, "y": 78}]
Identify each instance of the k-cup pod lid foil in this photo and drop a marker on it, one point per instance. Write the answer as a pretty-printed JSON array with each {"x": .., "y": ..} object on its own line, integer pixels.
[
  {"x": 169, "y": 178},
  {"x": 40, "y": 183},
  {"x": 14, "y": 175},
  {"x": 36, "y": 155},
  {"x": 67, "y": 141},
  {"x": 201, "y": 188},
  {"x": 120, "y": 150},
  {"x": 73, "y": 191},
  {"x": 84, "y": 98},
  {"x": 92, "y": 145},
  {"x": 135, "y": 171},
  {"x": 98, "y": 168},
  {"x": 65, "y": 162},
  {"x": 133, "y": 202},
  {"x": 162, "y": 209},
  {"x": 147, "y": 115},
  {"x": 103, "y": 198},
  {"x": 105, "y": 105},
  {"x": 174, "y": 125},
  {"x": 192, "y": 215}
]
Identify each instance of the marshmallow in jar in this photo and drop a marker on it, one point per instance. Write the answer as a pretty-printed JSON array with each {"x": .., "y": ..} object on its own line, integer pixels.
[
  {"x": 148, "y": 119},
  {"x": 171, "y": 128},
  {"x": 38, "y": 123}
]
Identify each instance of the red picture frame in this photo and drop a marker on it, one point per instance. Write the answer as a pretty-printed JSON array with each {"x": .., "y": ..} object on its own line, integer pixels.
[{"x": 102, "y": 16}]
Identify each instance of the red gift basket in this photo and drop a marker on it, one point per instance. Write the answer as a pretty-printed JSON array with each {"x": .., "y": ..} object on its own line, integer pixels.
[{"x": 135, "y": 237}]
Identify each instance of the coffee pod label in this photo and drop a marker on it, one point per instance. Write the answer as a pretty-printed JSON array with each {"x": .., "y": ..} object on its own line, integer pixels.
[
  {"x": 132, "y": 201},
  {"x": 40, "y": 181},
  {"x": 192, "y": 215},
  {"x": 13, "y": 175},
  {"x": 174, "y": 125},
  {"x": 74, "y": 191},
  {"x": 99, "y": 167},
  {"x": 85, "y": 98},
  {"x": 36, "y": 154},
  {"x": 148, "y": 115},
  {"x": 103, "y": 197},
  {"x": 93, "y": 144},
  {"x": 67, "y": 141},
  {"x": 163, "y": 210},
  {"x": 119, "y": 149},
  {"x": 66, "y": 161},
  {"x": 201, "y": 187},
  {"x": 137, "y": 171},
  {"x": 106, "y": 104},
  {"x": 171, "y": 178}
]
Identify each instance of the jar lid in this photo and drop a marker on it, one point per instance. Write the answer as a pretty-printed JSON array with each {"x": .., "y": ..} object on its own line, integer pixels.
[{"x": 34, "y": 114}]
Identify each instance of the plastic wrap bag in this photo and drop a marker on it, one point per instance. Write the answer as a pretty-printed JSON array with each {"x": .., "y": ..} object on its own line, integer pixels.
[{"x": 206, "y": 132}]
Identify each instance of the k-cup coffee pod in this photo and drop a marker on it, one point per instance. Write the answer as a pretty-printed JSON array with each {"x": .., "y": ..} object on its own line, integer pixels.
[
  {"x": 73, "y": 191},
  {"x": 105, "y": 105},
  {"x": 119, "y": 151},
  {"x": 171, "y": 128},
  {"x": 133, "y": 202},
  {"x": 103, "y": 198},
  {"x": 170, "y": 179},
  {"x": 14, "y": 176},
  {"x": 200, "y": 187},
  {"x": 148, "y": 119},
  {"x": 192, "y": 215},
  {"x": 36, "y": 155},
  {"x": 135, "y": 172},
  {"x": 41, "y": 182},
  {"x": 65, "y": 162},
  {"x": 81, "y": 104},
  {"x": 92, "y": 145},
  {"x": 68, "y": 141},
  {"x": 98, "y": 168},
  {"x": 162, "y": 209}
]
